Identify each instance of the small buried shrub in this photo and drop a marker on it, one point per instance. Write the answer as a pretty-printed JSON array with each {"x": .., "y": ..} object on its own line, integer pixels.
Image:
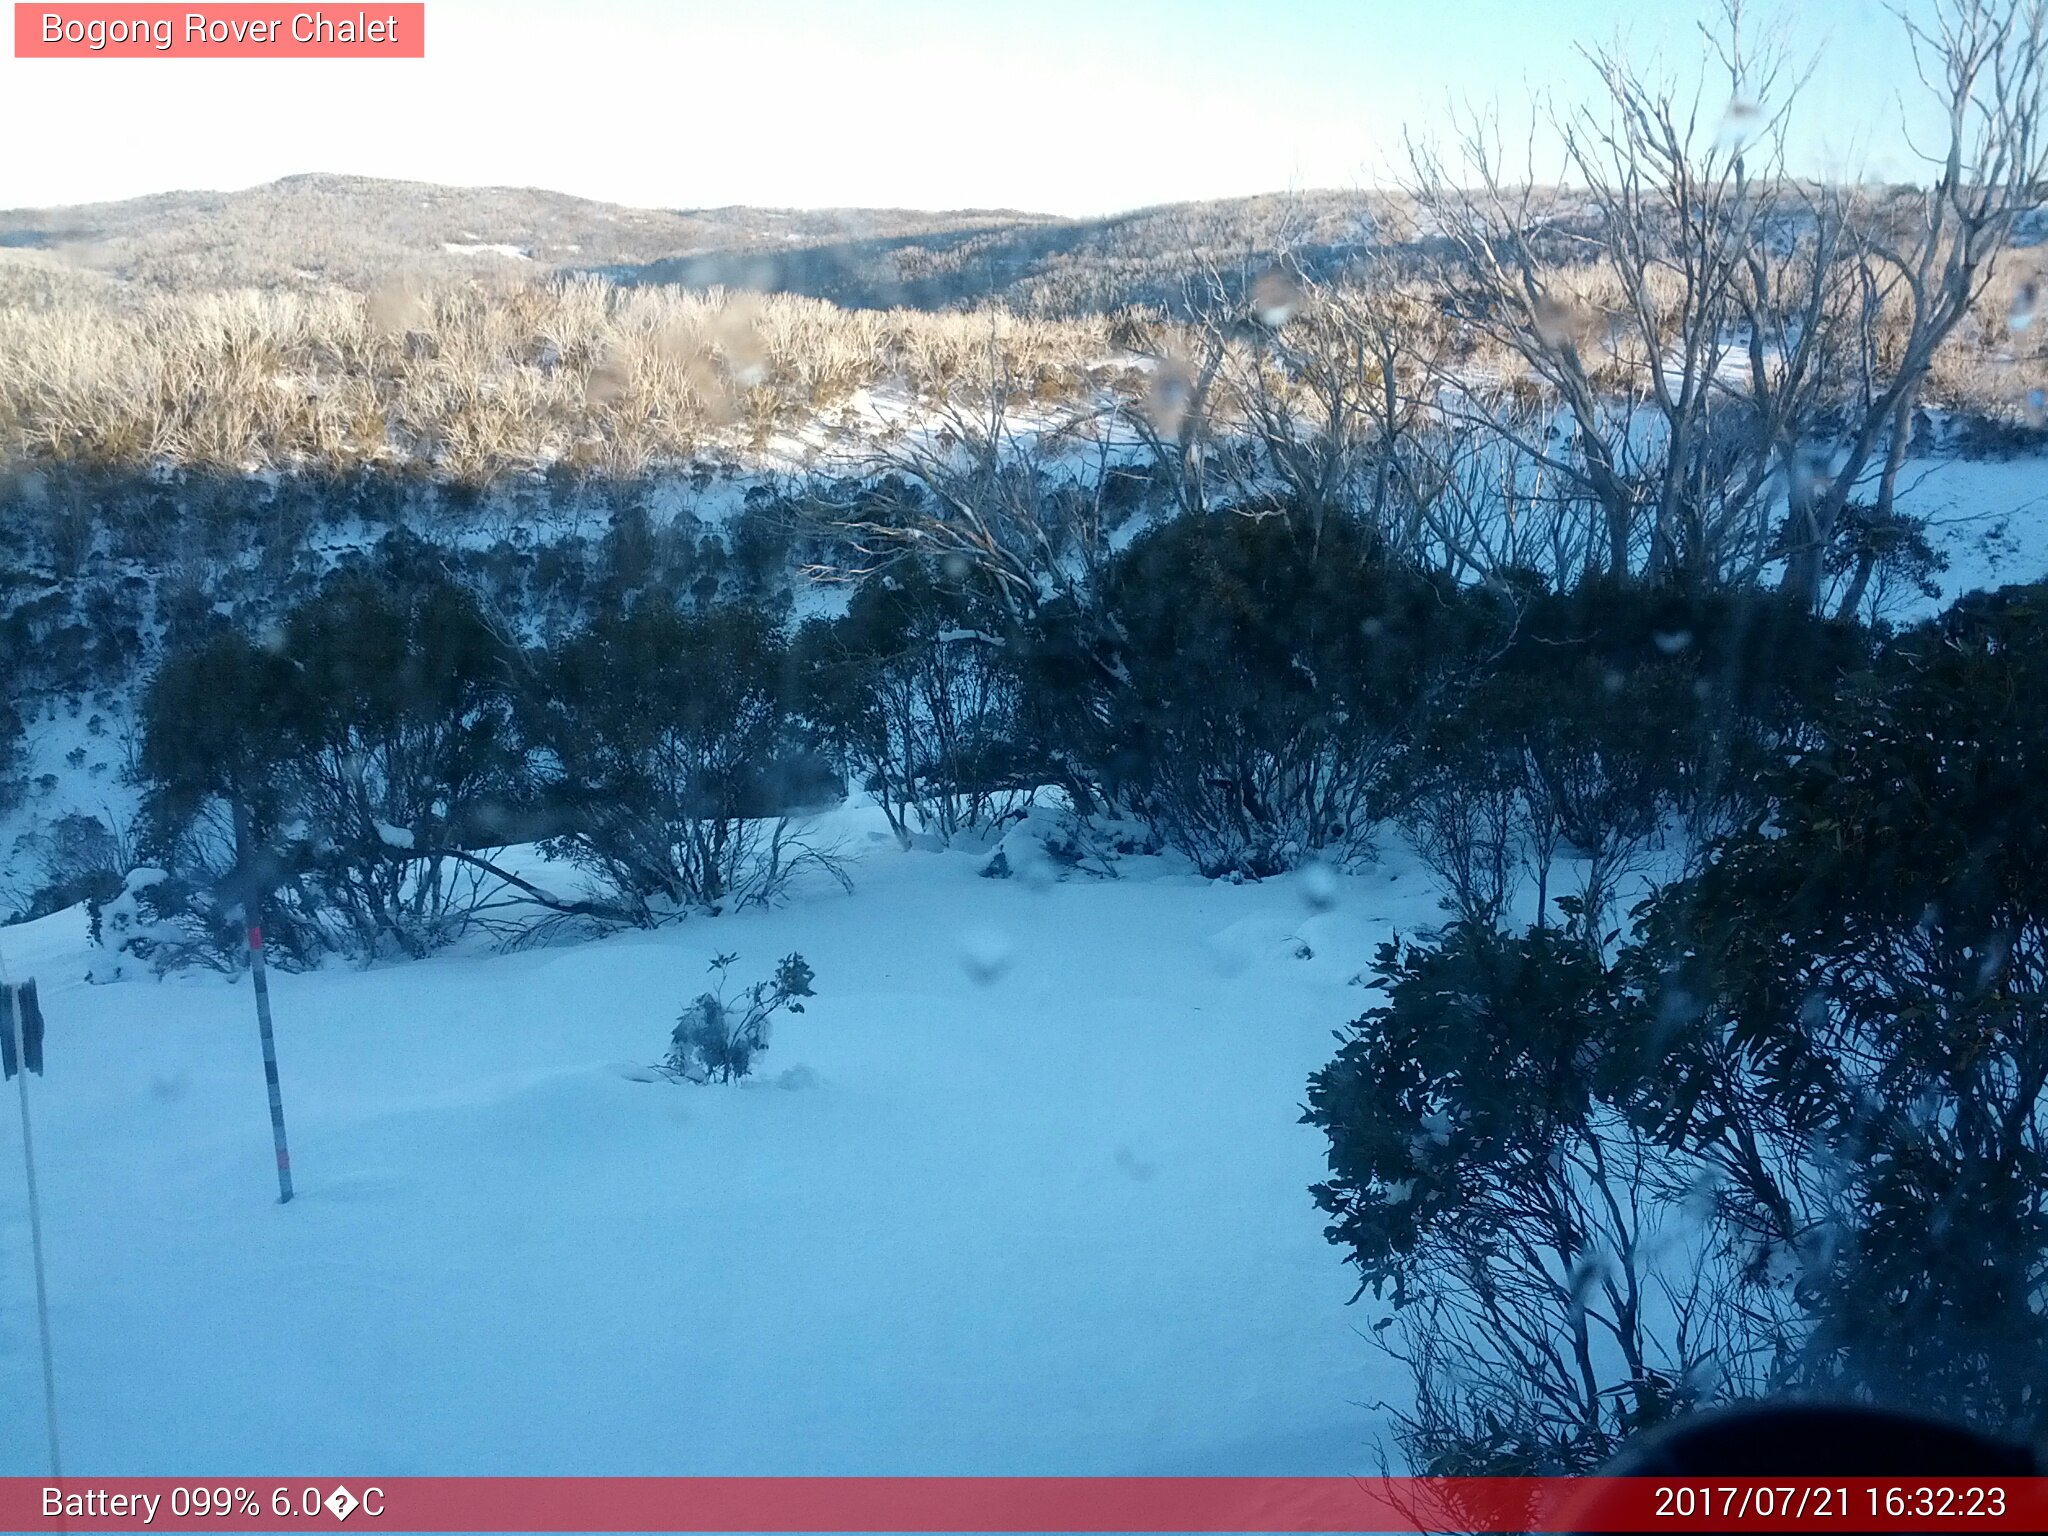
[{"x": 717, "y": 1037}]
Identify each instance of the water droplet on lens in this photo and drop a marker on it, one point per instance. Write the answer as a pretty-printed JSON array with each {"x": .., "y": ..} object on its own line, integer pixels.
[
  {"x": 1135, "y": 1166},
  {"x": 2026, "y": 301},
  {"x": 1739, "y": 124},
  {"x": 1276, "y": 299},
  {"x": 986, "y": 954},
  {"x": 1319, "y": 885}
]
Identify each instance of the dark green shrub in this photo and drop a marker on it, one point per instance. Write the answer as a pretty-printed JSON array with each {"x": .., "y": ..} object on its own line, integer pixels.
[
  {"x": 1270, "y": 679},
  {"x": 1851, "y": 1000},
  {"x": 917, "y": 686},
  {"x": 671, "y": 752}
]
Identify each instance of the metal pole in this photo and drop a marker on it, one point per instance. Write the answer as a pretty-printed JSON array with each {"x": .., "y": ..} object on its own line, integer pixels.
[
  {"x": 261, "y": 979},
  {"x": 35, "y": 1235}
]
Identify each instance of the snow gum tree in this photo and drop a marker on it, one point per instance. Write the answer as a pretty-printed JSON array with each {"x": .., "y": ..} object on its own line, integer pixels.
[
  {"x": 1852, "y": 1004},
  {"x": 1793, "y": 1138},
  {"x": 348, "y": 770},
  {"x": 1490, "y": 1188}
]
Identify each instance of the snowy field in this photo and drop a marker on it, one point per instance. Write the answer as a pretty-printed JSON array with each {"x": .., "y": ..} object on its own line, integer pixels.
[{"x": 1024, "y": 1192}]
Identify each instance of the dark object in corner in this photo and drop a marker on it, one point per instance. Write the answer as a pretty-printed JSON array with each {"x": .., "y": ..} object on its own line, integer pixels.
[{"x": 1802, "y": 1440}]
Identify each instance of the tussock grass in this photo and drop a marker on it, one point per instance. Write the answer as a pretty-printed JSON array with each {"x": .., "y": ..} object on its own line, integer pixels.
[
  {"x": 464, "y": 380},
  {"x": 471, "y": 379}
]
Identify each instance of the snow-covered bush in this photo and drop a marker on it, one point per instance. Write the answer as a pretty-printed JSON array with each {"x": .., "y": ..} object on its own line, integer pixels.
[
  {"x": 155, "y": 924},
  {"x": 718, "y": 1036},
  {"x": 1050, "y": 841}
]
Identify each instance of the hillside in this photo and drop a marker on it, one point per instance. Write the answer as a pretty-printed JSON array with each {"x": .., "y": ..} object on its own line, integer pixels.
[
  {"x": 354, "y": 231},
  {"x": 348, "y": 228}
]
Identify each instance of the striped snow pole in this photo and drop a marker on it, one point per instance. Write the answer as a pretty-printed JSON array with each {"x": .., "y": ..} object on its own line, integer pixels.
[
  {"x": 21, "y": 1051},
  {"x": 261, "y": 978},
  {"x": 246, "y": 886}
]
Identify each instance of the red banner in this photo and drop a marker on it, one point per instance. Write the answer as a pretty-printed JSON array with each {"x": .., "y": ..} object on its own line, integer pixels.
[
  {"x": 378, "y": 31},
  {"x": 1006, "y": 1504}
]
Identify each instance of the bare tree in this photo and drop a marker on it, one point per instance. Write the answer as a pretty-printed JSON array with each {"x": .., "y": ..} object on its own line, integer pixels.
[
  {"x": 1692, "y": 324},
  {"x": 1922, "y": 264},
  {"x": 1175, "y": 417},
  {"x": 995, "y": 488},
  {"x": 1623, "y": 309},
  {"x": 1329, "y": 393}
]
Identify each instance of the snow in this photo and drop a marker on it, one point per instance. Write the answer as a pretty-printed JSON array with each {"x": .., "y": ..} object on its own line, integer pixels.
[
  {"x": 1023, "y": 1191},
  {"x": 78, "y": 751},
  {"x": 393, "y": 837},
  {"x": 1989, "y": 516},
  {"x": 485, "y": 248}
]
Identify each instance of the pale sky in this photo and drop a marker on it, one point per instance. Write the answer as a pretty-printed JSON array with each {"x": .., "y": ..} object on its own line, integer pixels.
[{"x": 1062, "y": 106}]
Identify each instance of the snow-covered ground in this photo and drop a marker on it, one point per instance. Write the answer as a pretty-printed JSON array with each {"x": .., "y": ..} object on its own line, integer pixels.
[
  {"x": 1989, "y": 516},
  {"x": 1024, "y": 1191}
]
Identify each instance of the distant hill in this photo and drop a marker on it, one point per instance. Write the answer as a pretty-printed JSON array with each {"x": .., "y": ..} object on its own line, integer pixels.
[
  {"x": 345, "y": 228},
  {"x": 357, "y": 231}
]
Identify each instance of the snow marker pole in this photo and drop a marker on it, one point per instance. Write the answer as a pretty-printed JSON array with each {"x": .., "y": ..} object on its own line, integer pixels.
[
  {"x": 16, "y": 1005},
  {"x": 260, "y": 977},
  {"x": 248, "y": 883}
]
